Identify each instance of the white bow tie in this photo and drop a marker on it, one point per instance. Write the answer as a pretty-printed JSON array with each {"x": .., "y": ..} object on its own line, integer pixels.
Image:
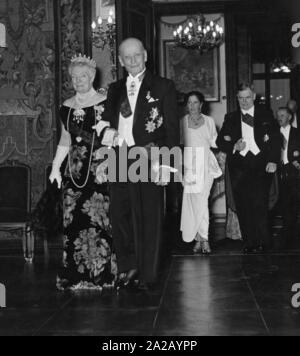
[
  {"x": 137, "y": 79},
  {"x": 134, "y": 82},
  {"x": 284, "y": 129}
]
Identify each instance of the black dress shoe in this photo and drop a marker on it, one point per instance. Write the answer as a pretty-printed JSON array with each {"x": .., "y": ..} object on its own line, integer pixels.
[
  {"x": 146, "y": 287},
  {"x": 127, "y": 281},
  {"x": 131, "y": 274},
  {"x": 121, "y": 282},
  {"x": 143, "y": 287},
  {"x": 127, "y": 284},
  {"x": 261, "y": 249},
  {"x": 247, "y": 250}
]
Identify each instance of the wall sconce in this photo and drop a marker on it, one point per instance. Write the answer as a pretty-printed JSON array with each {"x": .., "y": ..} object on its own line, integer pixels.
[{"x": 104, "y": 34}]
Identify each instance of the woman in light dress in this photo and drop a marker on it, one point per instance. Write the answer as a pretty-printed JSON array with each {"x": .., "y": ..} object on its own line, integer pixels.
[{"x": 200, "y": 169}]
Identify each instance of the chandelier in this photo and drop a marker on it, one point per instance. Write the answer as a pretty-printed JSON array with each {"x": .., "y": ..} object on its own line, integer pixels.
[
  {"x": 282, "y": 66},
  {"x": 104, "y": 35},
  {"x": 197, "y": 33}
]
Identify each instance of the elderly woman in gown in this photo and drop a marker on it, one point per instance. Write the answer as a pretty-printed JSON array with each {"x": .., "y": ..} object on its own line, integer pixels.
[
  {"x": 88, "y": 259},
  {"x": 200, "y": 169}
]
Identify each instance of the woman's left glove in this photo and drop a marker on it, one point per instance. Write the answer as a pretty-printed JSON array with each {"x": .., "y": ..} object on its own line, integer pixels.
[
  {"x": 100, "y": 126},
  {"x": 61, "y": 154}
]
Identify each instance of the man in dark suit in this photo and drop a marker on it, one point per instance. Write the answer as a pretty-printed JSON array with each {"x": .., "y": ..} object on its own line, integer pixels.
[
  {"x": 289, "y": 174},
  {"x": 251, "y": 139},
  {"x": 294, "y": 110},
  {"x": 142, "y": 112}
]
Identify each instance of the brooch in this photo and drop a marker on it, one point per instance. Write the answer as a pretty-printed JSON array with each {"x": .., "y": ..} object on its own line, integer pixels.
[
  {"x": 99, "y": 110},
  {"x": 78, "y": 115}
]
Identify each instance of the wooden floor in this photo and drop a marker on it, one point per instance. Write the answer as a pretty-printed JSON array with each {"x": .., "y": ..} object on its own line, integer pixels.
[{"x": 223, "y": 294}]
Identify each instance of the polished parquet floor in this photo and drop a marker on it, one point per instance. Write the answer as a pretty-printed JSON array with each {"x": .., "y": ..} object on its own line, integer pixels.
[{"x": 226, "y": 293}]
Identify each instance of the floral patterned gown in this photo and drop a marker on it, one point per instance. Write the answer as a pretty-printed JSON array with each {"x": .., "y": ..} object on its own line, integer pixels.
[{"x": 88, "y": 260}]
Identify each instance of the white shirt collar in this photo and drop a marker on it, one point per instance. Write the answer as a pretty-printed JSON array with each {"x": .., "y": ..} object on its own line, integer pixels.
[
  {"x": 285, "y": 129},
  {"x": 131, "y": 78},
  {"x": 250, "y": 111}
]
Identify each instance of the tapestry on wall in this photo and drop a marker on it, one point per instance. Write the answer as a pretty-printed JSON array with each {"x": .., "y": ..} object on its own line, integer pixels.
[
  {"x": 27, "y": 87},
  {"x": 71, "y": 41}
]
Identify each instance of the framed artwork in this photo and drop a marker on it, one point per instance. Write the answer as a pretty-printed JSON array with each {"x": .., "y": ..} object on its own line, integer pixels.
[{"x": 190, "y": 70}]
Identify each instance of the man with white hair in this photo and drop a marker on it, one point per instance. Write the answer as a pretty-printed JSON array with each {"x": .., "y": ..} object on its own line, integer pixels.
[{"x": 142, "y": 113}]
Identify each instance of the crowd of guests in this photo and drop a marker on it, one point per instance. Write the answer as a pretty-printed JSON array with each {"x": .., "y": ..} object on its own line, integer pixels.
[{"x": 113, "y": 230}]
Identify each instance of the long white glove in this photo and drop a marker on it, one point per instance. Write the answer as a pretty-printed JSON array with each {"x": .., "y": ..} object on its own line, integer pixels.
[
  {"x": 61, "y": 154},
  {"x": 101, "y": 126},
  {"x": 162, "y": 173}
]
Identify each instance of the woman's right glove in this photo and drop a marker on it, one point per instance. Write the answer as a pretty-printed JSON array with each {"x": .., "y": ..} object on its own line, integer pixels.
[
  {"x": 189, "y": 178},
  {"x": 61, "y": 154}
]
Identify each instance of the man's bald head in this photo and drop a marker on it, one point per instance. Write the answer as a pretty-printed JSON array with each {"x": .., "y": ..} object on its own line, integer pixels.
[
  {"x": 292, "y": 105},
  {"x": 132, "y": 55},
  {"x": 129, "y": 42}
]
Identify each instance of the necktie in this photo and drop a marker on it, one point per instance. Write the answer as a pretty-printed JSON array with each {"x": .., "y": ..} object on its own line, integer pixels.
[
  {"x": 125, "y": 108},
  {"x": 248, "y": 119},
  {"x": 284, "y": 142}
]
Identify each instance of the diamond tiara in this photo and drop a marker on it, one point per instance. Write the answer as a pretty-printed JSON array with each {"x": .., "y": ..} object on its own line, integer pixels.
[{"x": 83, "y": 59}]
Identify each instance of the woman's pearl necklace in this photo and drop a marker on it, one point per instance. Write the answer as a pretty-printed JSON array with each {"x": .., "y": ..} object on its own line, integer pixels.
[
  {"x": 82, "y": 100},
  {"x": 196, "y": 120}
]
